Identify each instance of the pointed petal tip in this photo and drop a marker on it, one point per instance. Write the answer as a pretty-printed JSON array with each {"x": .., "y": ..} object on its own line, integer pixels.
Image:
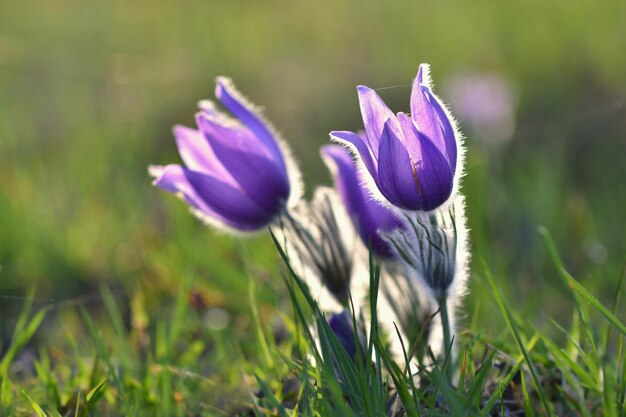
[
  {"x": 224, "y": 85},
  {"x": 330, "y": 147},
  {"x": 155, "y": 171},
  {"x": 338, "y": 135},
  {"x": 180, "y": 129},
  {"x": 223, "y": 81},
  {"x": 389, "y": 125},
  {"x": 199, "y": 117},
  {"x": 423, "y": 75},
  {"x": 203, "y": 118},
  {"x": 326, "y": 149},
  {"x": 162, "y": 175},
  {"x": 361, "y": 89},
  {"x": 334, "y": 152},
  {"x": 422, "y": 70},
  {"x": 207, "y": 106},
  {"x": 344, "y": 138}
]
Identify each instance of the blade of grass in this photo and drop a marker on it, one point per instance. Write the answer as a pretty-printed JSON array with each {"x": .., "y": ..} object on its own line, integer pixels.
[
  {"x": 102, "y": 350},
  {"x": 565, "y": 362},
  {"x": 582, "y": 353},
  {"x": 513, "y": 327},
  {"x": 609, "y": 400},
  {"x": 396, "y": 374},
  {"x": 477, "y": 383},
  {"x": 409, "y": 375},
  {"x": 519, "y": 362},
  {"x": 118, "y": 325},
  {"x": 615, "y": 304},
  {"x": 165, "y": 399},
  {"x": 451, "y": 396},
  {"x": 23, "y": 332},
  {"x": 572, "y": 283},
  {"x": 261, "y": 338},
  {"x": 528, "y": 408},
  {"x": 621, "y": 361},
  {"x": 36, "y": 407}
]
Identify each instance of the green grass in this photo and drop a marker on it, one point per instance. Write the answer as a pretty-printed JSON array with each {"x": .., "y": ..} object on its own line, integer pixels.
[
  {"x": 176, "y": 365},
  {"x": 89, "y": 92}
]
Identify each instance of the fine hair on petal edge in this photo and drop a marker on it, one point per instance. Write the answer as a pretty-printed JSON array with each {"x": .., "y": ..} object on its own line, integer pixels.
[
  {"x": 459, "y": 139},
  {"x": 218, "y": 116},
  {"x": 365, "y": 177},
  {"x": 458, "y": 288},
  {"x": 293, "y": 172},
  {"x": 224, "y": 228}
]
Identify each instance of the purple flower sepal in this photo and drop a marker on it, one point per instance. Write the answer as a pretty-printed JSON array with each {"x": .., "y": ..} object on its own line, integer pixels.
[
  {"x": 236, "y": 172},
  {"x": 412, "y": 159},
  {"x": 369, "y": 216}
]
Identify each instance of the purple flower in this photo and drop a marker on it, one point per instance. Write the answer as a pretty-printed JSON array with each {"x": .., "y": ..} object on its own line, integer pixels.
[
  {"x": 342, "y": 326},
  {"x": 368, "y": 215},
  {"x": 236, "y": 174},
  {"x": 411, "y": 158}
]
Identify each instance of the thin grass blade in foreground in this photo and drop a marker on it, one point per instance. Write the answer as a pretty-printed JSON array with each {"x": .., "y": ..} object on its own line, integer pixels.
[
  {"x": 513, "y": 328},
  {"x": 576, "y": 286}
]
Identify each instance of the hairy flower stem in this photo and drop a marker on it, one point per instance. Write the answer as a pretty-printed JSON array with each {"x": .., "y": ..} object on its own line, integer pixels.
[{"x": 447, "y": 340}]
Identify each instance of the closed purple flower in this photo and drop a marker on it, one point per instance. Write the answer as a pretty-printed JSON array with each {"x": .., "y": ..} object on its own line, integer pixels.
[
  {"x": 236, "y": 174},
  {"x": 412, "y": 159},
  {"x": 368, "y": 215},
  {"x": 342, "y": 326}
]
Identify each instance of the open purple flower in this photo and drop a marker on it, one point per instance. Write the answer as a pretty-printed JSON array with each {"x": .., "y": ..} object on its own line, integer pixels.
[
  {"x": 412, "y": 159},
  {"x": 236, "y": 174},
  {"x": 368, "y": 215}
]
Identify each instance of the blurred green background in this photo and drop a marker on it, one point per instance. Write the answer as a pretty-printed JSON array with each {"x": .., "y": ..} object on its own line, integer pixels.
[{"x": 89, "y": 91}]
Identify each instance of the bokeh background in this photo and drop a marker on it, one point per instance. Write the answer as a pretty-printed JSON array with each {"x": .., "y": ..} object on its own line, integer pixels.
[{"x": 89, "y": 91}]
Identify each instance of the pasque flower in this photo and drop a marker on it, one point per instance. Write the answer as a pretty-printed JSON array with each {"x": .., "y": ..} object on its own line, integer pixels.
[
  {"x": 316, "y": 232},
  {"x": 342, "y": 326},
  {"x": 236, "y": 174},
  {"x": 412, "y": 158},
  {"x": 368, "y": 215}
]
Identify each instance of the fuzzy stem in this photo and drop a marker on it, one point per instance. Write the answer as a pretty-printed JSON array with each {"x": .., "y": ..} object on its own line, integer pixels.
[{"x": 447, "y": 340}]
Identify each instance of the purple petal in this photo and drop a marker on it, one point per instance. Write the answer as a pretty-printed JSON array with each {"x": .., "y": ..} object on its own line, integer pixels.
[
  {"x": 375, "y": 114},
  {"x": 232, "y": 205},
  {"x": 446, "y": 130},
  {"x": 234, "y": 101},
  {"x": 384, "y": 221},
  {"x": 172, "y": 178},
  {"x": 208, "y": 107},
  {"x": 434, "y": 175},
  {"x": 427, "y": 112},
  {"x": 364, "y": 152},
  {"x": 212, "y": 197},
  {"x": 409, "y": 139},
  {"x": 368, "y": 215},
  {"x": 395, "y": 170},
  {"x": 248, "y": 162},
  {"x": 346, "y": 179},
  {"x": 343, "y": 327},
  {"x": 432, "y": 172},
  {"x": 196, "y": 153},
  {"x": 423, "y": 113}
]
